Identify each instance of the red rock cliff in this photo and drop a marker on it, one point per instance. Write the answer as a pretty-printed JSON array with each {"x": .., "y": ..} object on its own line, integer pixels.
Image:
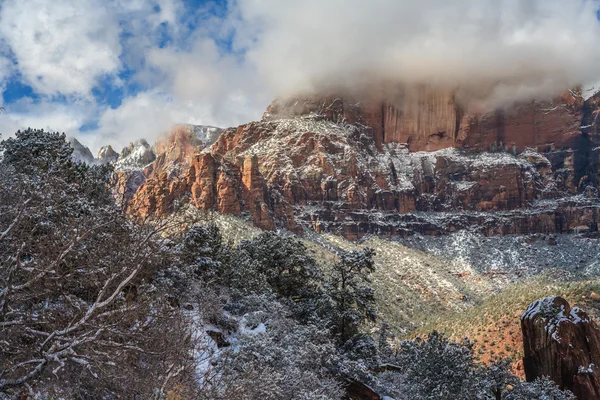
[
  {"x": 429, "y": 119},
  {"x": 562, "y": 343},
  {"x": 336, "y": 164}
]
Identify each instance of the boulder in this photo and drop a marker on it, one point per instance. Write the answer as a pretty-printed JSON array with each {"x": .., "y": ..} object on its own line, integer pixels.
[{"x": 562, "y": 343}]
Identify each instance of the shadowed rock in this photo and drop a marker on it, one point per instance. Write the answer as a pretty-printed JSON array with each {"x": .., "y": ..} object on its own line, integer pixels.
[{"x": 562, "y": 343}]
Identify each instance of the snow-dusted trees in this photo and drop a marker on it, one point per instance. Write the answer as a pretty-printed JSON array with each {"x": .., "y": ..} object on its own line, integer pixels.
[
  {"x": 291, "y": 314},
  {"x": 203, "y": 252},
  {"x": 435, "y": 368},
  {"x": 282, "y": 262},
  {"x": 276, "y": 357},
  {"x": 540, "y": 389},
  {"x": 348, "y": 288},
  {"x": 78, "y": 311}
]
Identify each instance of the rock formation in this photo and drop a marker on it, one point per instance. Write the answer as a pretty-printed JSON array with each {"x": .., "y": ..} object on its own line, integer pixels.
[
  {"x": 81, "y": 153},
  {"x": 562, "y": 343},
  {"x": 107, "y": 154},
  {"x": 418, "y": 161},
  {"x": 429, "y": 119}
]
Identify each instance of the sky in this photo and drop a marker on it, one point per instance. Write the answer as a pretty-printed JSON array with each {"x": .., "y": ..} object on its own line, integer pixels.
[{"x": 113, "y": 71}]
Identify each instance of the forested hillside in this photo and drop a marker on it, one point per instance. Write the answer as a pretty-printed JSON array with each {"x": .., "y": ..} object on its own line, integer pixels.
[{"x": 94, "y": 305}]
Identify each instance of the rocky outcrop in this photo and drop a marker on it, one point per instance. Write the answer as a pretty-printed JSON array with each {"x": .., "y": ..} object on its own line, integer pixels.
[
  {"x": 562, "y": 343},
  {"x": 135, "y": 156},
  {"x": 176, "y": 149},
  {"x": 125, "y": 185},
  {"x": 106, "y": 154},
  {"x": 356, "y": 390},
  {"x": 163, "y": 165},
  {"x": 429, "y": 119},
  {"x": 357, "y": 166},
  {"x": 81, "y": 153},
  {"x": 254, "y": 193}
]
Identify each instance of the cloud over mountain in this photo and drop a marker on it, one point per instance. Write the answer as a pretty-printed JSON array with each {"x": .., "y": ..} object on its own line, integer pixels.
[{"x": 117, "y": 70}]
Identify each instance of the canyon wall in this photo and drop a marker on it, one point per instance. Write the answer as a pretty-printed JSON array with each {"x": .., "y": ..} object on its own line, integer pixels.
[{"x": 362, "y": 164}]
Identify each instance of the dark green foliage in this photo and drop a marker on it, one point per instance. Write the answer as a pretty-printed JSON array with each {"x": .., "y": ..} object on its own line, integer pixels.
[
  {"x": 499, "y": 377},
  {"x": 541, "y": 389},
  {"x": 41, "y": 161},
  {"x": 35, "y": 151},
  {"x": 386, "y": 336},
  {"x": 438, "y": 368},
  {"x": 283, "y": 262},
  {"x": 204, "y": 252},
  {"x": 352, "y": 297}
]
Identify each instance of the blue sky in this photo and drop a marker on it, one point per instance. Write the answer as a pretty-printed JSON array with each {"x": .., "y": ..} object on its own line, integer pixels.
[
  {"x": 111, "y": 89},
  {"x": 83, "y": 66},
  {"x": 112, "y": 71}
]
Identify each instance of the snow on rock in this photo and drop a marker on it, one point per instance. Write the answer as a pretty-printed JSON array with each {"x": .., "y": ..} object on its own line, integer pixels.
[
  {"x": 562, "y": 343},
  {"x": 135, "y": 156},
  {"x": 312, "y": 172},
  {"x": 107, "y": 154},
  {"x": 81, "y": 153},
  {"x": 205, "y": 133},
  {"x": 252, "y": 324}
]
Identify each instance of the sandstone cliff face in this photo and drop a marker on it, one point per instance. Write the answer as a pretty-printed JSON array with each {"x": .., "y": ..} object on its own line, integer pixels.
[
  {"x": 429, "y": 119},
  {"x": 176, "y": 149},
  {"x": 337, "y": 165},
  {"x": 562, "y": 343}
]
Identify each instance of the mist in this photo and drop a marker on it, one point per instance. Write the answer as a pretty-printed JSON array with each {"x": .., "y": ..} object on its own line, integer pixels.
[{"x": 491, "y": 50}]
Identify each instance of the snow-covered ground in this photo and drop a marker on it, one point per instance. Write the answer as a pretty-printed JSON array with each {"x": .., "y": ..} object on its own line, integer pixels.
[{"x": 515, "y": 256}]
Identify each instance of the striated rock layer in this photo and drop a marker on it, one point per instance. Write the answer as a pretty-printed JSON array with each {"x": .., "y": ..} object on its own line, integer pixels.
[
  {"x": 562, "y": 343},
  {"x": 429, "y": 119},
  {"x": 420, "y": 162}
]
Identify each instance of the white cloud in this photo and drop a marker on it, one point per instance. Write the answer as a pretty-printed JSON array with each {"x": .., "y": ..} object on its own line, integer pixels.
[
  {"x": 62, "y": 46},
  {"x": 224, "y": 71},
  {"x": 151, "y": 113},
  {"x": 534, "y": 44},
  {"x": 49, "y": 116}
]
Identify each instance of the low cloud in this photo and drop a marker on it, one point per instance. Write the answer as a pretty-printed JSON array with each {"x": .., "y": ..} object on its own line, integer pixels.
[{"x": 492, "y": 48}]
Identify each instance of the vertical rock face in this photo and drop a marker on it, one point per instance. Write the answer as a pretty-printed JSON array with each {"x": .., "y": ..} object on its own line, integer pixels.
[
  {"x": 424, "y": 117},
  {"x": 177, "y": 148},
  {"x": 562, "y": 343},
  {"x": 253, "y": 189},
  {"x": 202, "y": 177},
  {"x": 429, "y": 118},
  {"x": 365, "y": 163},
  {"x": 545, "y": 125}
]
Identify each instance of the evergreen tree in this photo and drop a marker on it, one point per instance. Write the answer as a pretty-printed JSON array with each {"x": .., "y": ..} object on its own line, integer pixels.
[
  {"x": 499, "y": 377},
  {"x": 203, "y": 251},
  {"x": 77, "y": 301},
  {"x": 437, "y": 368},
  {"x": 353, "y": 300},
  {"x": 540, "y": 389}
]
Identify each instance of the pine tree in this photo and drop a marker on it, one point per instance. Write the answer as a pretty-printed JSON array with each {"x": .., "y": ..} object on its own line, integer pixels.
[
  {"x": 540, "y": 389},
  {"x": 437, "y": 368},
  {"x": 282, "y": 262},
  {"x": 352, "y": 297}
]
